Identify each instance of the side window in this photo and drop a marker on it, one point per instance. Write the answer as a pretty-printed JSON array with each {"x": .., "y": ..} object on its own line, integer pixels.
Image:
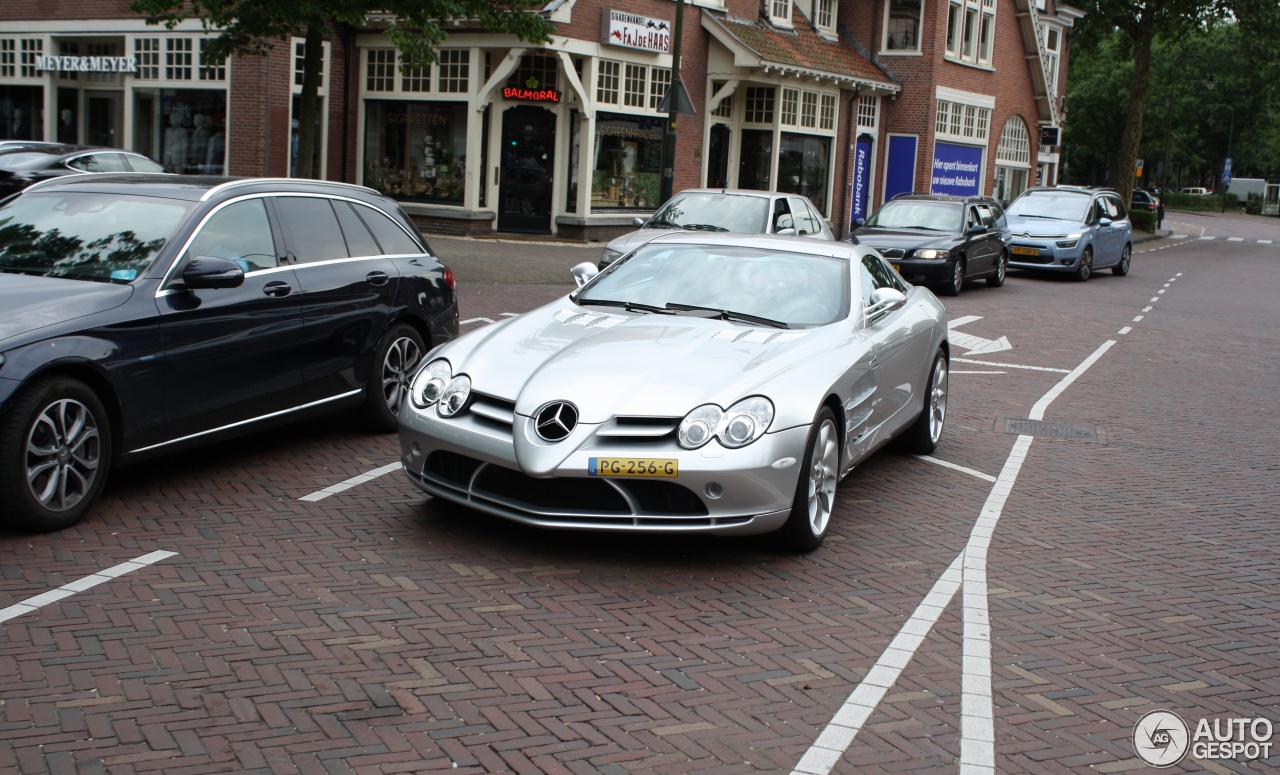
[
  {"x": 985, "y": 216},
  {"x": 972, "y": 219},
  {"x": 866, "y": 280},
  {"x": 240, "y": 232},
  {"x": 310, "y": 228},
  {"x": 817, "y": 221},
  {"x": 780, "y": 209},
  {"x": 804, "y": 219},
  {"x": 359, "y": 240},
  {"x": 1118, "y": 206},
  {"x": 142, "y": 164},
  {"x": 99, "y": 162},
  {"x": 390, "y": 236},
  {"x": 1095, "y": 212},
  {"x": 997, "y": 213},
  {"x": 876, "y": 274}
]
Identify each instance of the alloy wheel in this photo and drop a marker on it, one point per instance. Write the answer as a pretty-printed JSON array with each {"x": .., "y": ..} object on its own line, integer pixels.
[
  {"x": 937, "y": 400},
  {"x": 64, "y": 449},
  {"x": 398, "y": 368},
  {"x": 824, "y": 460}
]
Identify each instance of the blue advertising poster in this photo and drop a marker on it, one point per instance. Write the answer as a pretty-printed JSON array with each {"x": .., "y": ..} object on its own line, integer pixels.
[
  {"x": 861, "y": 176},
  {"x": 1226, "y": 171},
  {"x": 900, "y": 166},
  {"x": 957, "y": 169}
]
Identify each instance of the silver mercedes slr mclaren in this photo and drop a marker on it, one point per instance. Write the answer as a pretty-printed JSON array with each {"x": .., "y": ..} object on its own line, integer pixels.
[{"x": 700, "y": 384}]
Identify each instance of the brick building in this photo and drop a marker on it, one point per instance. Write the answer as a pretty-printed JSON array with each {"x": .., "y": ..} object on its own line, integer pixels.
[{"x": 845, "y": 101}]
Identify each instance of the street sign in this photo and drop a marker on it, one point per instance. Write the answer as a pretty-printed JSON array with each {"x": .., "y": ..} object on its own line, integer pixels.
[
  {"x": 1226, "y": 171},
  {"x": 1137, "y": 171}
]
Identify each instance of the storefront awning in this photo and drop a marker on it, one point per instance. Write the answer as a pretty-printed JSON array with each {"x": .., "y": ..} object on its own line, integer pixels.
[{"x": 800, "y": 52}]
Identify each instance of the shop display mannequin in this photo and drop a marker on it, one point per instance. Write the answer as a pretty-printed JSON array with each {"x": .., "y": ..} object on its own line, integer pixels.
[
  {"x": 67, "y": 128},
  {"x": 199, "y": 144},
  {"x": 176, "y": 144}
]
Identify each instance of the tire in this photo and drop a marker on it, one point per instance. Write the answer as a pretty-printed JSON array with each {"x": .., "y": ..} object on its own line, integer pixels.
[
  {"x": 55, "y": 453},
  {"x": 957, "y": 279},
  {"x": 395, "y": 362},
  {"x": 1126, "y": 258},
  {"x": 815, "y": 489},
  {"x": 1002, "y": 268},
  {"x": 923, "y": 435},
  {"x": 1085, "y": 270}
]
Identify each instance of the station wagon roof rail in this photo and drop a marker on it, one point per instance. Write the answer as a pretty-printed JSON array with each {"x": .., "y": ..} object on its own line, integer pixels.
[{"x": 253, "y": 181}]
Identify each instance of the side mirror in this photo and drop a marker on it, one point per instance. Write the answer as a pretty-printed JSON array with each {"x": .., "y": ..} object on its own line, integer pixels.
[
  {"x": 885, "y": 300},
  {"x": 976, "y": 229},
  {"x": 858, "y": 223},
  {"x": 210, "y": 272},
  {"x": 638, "y": 222},
  {"x": 582, "y": 273},
  {"x": 783, "y": 223},
  {"x": 1104, "y": 222},
  {"x": 787, "y": 232}
]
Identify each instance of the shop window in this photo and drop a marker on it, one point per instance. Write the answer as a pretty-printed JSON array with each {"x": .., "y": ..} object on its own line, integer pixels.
[
  {"x": 184, "y": 129},
  {"x": 824, "y": 14},
  {"x": 803, "y": 165},
  {"x": 970, "y": 120},
  {"x": 607, "y": 82},
  {"x": 828, "y": 112},
  {"x": 633, "y": 86},
  {"x": 8, "y": 57},
  {"x": 971, "y": 28},
  {"x": 455, "y": 70},
  {"x": 177, "y": 59},
  {"x": 902, "y": 25},
  {"x": 759, "y": 105},
  {"x": 725, "y": 108},
  {"x": 299, "y": 60},
  {"x": 809, "y": 109},
  {"x": 416, "y": 150},
  {"x": 210, "y": 72},
  {"x": 20, "y": 109},
  {"x": 790, "y": 104},
  {"x": 659, "y": 82},
  {"x": 147, "y": 53},
  {"x": 755, "y": 159},
  {"x": 417, "y": 79},
  {"x": 380, "y": 69},
  {"x": 628, "y": 171},
  {"x": 31, "y": 49},
  {"x": 536, "y": 71},
  {"x": 868, "y": 111}
]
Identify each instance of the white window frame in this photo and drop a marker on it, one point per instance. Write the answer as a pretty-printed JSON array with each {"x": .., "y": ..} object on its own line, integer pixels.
[
  {"x": 779, "y": 12},
  {"x": 963, "y": 40},
  {"x": 963, "y": 117},
  {"x": 824, "y": 15},
  {"x": 614, "y": 76},
  {"x": 295, "y": 89},
  {"x": 433, "y": 74},
  {"x": 1054, "y": 55},
  {"x": 884, "y": 35}
]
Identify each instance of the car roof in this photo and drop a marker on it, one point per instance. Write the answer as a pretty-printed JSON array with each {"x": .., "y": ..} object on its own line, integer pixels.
[
  {"x": 190, "y": 187},
  {"x": 738, "y": 192},
  {"x": 54, "y": 150},
  {"x": 1059, "y": 190},
  {"x": 949, "y": 198},
  {"x": 760, "y": 241}
]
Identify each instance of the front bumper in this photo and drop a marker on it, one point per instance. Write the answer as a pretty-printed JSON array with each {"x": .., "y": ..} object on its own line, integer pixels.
[
  {"x": 1048, "y": 256},
  {"x": 472, "y": 460},
  {"x": 919, "y": 270}
]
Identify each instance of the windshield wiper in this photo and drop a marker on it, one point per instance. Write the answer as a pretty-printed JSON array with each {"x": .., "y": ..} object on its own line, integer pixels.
[
  {"x": 629, "y": 306},
  {"x": 662, "y": 224},
  {"x": 724, "y": 314},
  {"x": 1045, "y": 217},
  {"x": 702, "y": 227}
]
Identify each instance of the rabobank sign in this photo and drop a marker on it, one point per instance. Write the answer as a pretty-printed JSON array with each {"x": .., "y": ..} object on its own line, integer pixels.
[{"x": 957, "y": 169}]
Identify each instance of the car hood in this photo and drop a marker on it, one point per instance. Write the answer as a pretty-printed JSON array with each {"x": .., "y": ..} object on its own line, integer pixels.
[
  {"x": 611, "y": 364},
  {"x": 30, "y": 303},
  {"x": 1039, "y": 227},
  {"x": 904, "y": 238},
  {"x": 632, "y": 240}
]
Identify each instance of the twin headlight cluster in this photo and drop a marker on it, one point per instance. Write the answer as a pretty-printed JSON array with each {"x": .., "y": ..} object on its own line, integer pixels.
[
  {"x": 1070, "y": 241},
  {"x": 743, "y": 423},
  {"x": 929, "y": 253}
]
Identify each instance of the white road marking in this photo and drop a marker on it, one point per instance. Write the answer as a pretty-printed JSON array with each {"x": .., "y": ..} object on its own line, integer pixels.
[
  {"x": 1147, "y": 309},
  {"x": 1166, "y": 285},
  {"x": 1204, "y": 237},
  {"x": 1124, "y": 330},
  {"x": 974, "y": 344},
  {"x": 474, "y": 320},
  {"x": 953, "y": 371},
  {"x": 80, "y": 585},
  {"x": 1138, "y": 319},
  {"x": 1177, "y": 236},
  {"x": 1160, "y": 291},
  {"x": 1154, "y": 299},
  {"x": 954, "y": 467},
  {"x": 1264, "y": 242},
  {"x": 347, "y": 484},
  {"x": 977, "y": 738},
  {"x": 1179, "y": 274},
  {"x": 508, "y": 314},
  {"x": 1007, "y": 365},
  {"x": 1235, "y": 239}
]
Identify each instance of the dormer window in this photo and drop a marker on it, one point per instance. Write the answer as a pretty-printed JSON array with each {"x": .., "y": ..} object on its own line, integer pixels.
[
  {"x": 824, "y": 15},
  {"x": 779, "y": 12}
]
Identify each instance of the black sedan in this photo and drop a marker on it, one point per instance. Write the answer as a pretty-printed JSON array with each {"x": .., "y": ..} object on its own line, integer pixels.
[
  {"x": 142, "y": 314},
  {"x": 940, "y": 240},
  {"x": 22, "y": 164}
]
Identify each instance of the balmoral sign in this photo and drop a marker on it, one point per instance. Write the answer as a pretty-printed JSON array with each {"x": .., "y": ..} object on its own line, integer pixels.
[
  {"x": 88, "y": 64},
  {"x": 627, "y": 29}
]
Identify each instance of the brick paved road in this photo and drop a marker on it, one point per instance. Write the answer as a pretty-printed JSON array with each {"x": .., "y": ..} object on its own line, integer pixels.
[{"x": 376, "y": 631}]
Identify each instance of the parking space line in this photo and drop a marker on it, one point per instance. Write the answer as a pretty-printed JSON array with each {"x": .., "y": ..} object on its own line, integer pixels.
[
  {"x": 1124, "y": 330},
  {"x": 79, "y": 585},
  {"x": 954, "y": 467},
  {"x": 1008, "y": 365},
  {"x": 953, "y": 371},
  {"x": 474, "y": 320},
  {"x": 1235, "y": 239},
  {"x": 347, "y": 484}
]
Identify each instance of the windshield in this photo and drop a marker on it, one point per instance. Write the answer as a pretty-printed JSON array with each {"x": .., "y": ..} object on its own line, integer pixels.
[
  {"x": 713, "y": 212},
  {"x": 797, "y": 289},
  {"x": 102, "y": 237},
  {"x": 915, "y": 214},
  {"x": 1052, "y": 205}
]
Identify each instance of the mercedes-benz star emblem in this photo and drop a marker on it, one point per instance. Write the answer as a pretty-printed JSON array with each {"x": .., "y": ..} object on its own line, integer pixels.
[{"x": 555, "y": 421}]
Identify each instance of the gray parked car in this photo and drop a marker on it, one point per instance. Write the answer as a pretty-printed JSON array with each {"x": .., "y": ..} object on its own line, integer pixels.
[
  {"x": 734, "y": 210},
  {"x": 1068, "y": 229},
  {"x": 705, "y": 383}
]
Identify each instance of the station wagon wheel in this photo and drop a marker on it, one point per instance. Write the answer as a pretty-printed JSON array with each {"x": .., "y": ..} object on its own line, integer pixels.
[
  {"x": 1086, "y": 265},
  {"x": 396, "y": 361},
  {"x": 816, "y": 489},
  {"x": 55, "y": 451},
  {"x": 957, "y": 279},
  {"x": 1002, "y": 267},
  {"x": 1121, "y": 269}
]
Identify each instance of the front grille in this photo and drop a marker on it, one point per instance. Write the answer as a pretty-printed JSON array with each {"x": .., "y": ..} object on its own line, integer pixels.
[
  {"x": 489, "y": 410},
  {"x": 639, "y": 430},
  {"x": 892, "y": 252},
  {"x": 588, "y": 495}
]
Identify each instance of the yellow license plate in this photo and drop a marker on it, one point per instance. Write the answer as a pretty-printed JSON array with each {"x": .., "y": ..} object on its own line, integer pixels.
[
  {"x": 632, "y": 466},
  {"x": 897, "y": 269},
  {"x": 1025, "y": 251}
]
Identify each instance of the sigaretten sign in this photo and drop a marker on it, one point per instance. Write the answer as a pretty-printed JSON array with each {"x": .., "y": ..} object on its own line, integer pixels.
[{"x": 627, "y": 29}]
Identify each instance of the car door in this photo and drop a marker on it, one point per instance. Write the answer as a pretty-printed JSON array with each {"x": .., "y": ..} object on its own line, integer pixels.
[
  {"x": 899, "y": 346},
  {"x": 231, "y": 354},
  {"x": 780, "y": 211},
  {"x": 1121, "y": 224},
  {"x": 977, "y": 249},
  {"x": 806, "y": 223},
  {"x": 1114, "y": 232},
  {"x": 348, "y": 290}
]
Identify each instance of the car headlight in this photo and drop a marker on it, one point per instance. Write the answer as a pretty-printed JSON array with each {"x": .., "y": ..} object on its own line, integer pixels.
[
  {"x": 744, "y": 422},
  {"x": 430, "y": 383},
  {"x": 1070, "y": 242},
  {"x": 455, "y": 395},
  {"x": 929, "y": 253},
  {"x": 609, "y": 256}
]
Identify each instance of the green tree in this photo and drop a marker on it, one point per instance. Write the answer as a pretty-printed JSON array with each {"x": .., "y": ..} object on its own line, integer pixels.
[{"x": 416, "y": 29}]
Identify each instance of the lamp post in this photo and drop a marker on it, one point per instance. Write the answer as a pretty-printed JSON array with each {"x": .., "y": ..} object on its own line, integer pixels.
[
  {"x": 1231, "y": 130},
  {"x": 1209, "y": 83}
]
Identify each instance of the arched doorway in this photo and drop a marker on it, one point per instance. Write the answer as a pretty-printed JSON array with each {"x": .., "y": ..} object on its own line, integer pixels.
[{"x": 1013, "y": 159}]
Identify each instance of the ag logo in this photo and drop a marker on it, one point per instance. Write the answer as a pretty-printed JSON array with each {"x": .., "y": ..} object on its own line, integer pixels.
[{"x": 1161, "y": 738}]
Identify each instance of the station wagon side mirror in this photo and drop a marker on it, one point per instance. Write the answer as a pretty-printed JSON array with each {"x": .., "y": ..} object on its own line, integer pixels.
[
  {"x": 858, "y": 223},
  {"x": 583, "y": 273},
  {"x": 212, "y": 272},
  {"x": 885, "y": 300},
  {"x": 638, "y": 222},
  {"x": 784, "y": 223},
  {"x": 976, "y": 229},
  {"x": 1104, "y": 222}
]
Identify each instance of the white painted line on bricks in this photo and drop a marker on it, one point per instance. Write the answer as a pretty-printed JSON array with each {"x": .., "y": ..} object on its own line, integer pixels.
[
  {"x": 1235, "y": 239},
  {"x": 1203, "y": 237},
  {"x": 1154, "y": 299},
  {"x": 953, "y": 371},
  {"x": 1124, "y": 330},
  {"x": 1147, "y": 309},
  {"x": 954, "y": 467},
  {"x": 80, "y": 585},
  {"x": 347, "y": 484},
  {"x": 508, "y": 314},
  {"x": 1264, "y": 242},
  {"x": 474, "y": 320},
  {"x": 1179, "y": 274},
  {"x": 976, "y": 719},
  {"x": 1160, "y": 291},
  {"x": 1177, "y": 236},
  {"x": 1008, "y": 365},
  {"x": 1166, "y": 285},
  {"x": 1137, "y": 319}
]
